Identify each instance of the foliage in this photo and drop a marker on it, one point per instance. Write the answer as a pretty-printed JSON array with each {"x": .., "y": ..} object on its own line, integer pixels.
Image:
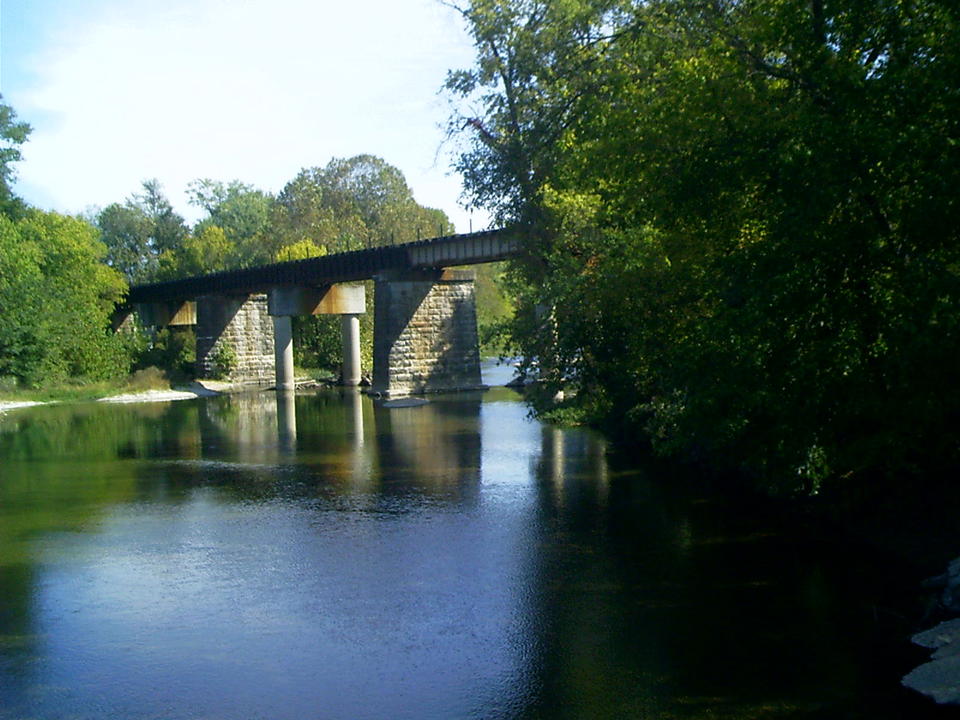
[
  {"x": 139, "y": 231},
  {"x": 243, "y": 215},
  {"x": 223, "y": 360},
  {"x": 742, "y": 225},
  {"x": 57, "y": 298},
  {"x": 316, "y": 342},
  {"x": 494, "y": 307},
  {"x": 302, "y": 250},
  {"x": 353, "y": 203},
  {"x": 12, "y": 135},
  {"x": 204, "y": 251},
  {"x": 173, "y": 349}
]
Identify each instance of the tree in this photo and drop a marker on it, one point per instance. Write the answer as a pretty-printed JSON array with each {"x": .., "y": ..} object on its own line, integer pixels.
[
  {"x": 57, "y": 298},
  {"x": 139, "y": 231},
  {"x": 12, "y": 135},
  {"x": 243, "y": 213},
  {"x": 126, "y": 231},
  {"x": 353, "y": 203},
  {"x": 742, "y": 243},
  {"x": 204, "y": 251},
  {"x": 302, "y": 250}
]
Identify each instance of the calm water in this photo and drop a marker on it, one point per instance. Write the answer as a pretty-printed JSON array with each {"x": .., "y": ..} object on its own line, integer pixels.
[{"x": 326, "y": 557}]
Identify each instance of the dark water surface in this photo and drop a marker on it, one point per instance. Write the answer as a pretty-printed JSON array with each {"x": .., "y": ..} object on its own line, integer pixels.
[{"x": 324, "y": 557}]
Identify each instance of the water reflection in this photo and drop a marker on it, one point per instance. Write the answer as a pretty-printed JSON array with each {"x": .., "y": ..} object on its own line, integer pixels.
[
  {"x": 325, "y": 556},
  {"x": 287, "y": 419}
]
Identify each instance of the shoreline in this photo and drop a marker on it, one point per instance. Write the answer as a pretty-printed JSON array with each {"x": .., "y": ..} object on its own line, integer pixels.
[
  {"x": 6, "y": 405},
  {"x": 194, "y": 390}
]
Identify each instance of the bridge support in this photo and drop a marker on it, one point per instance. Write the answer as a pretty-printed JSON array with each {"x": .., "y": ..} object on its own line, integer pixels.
[
  {"x": 235, "y": 339},
  {"x": 425, "y": 332},
  {"x": 283, "y": 351},
  {"x": 348, "y": 301},
  {"x": 167, "y": 314},
  {"x": 350, "y": 337}
]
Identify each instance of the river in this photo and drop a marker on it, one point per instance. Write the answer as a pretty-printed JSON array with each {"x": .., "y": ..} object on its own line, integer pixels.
[{"x": 323, "y": 556}]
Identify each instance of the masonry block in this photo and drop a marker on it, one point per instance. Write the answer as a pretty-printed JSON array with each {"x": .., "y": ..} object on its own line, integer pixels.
[
  {"x": 425, "y": 333},
  {"x": 239, "y": 327}
]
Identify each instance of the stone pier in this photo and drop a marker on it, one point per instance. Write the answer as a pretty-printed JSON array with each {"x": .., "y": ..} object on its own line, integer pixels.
[
  {"x": 425, "y": 332},
  {"x": 236, "y": 332}
]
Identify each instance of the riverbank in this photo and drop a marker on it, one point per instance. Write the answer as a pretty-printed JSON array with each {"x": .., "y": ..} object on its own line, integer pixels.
[
  {"x": 190, "y": 392},
  {"x": 148, "y": 385},
  {"x": 6, "y": 405}
]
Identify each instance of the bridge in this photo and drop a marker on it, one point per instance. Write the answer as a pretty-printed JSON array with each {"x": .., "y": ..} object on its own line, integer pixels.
[{"x": 425, "y": 327}]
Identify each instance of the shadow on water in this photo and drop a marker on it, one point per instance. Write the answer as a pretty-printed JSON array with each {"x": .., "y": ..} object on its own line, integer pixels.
[{"x": 322, "y": 555}]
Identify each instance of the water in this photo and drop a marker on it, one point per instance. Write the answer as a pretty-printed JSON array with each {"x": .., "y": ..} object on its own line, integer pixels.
[{"x": 324, "y": 557}]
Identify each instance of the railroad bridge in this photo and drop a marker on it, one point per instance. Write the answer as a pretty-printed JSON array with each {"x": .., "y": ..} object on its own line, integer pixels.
[{"x": 425, "y": 326}]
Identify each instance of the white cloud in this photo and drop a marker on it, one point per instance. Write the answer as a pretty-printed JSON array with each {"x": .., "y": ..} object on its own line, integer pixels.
[{"x": 252, "y": 90}]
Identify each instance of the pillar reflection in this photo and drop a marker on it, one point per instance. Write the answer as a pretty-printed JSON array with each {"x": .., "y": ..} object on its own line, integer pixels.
[
  {"x": 287, "y": 419},
  {"x": 436, "y": 445}
]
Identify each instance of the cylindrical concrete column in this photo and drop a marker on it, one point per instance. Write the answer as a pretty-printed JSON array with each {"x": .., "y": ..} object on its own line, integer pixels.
[
  {"x": 350, "y": 334},
  {"x": 283, "y": 350}
]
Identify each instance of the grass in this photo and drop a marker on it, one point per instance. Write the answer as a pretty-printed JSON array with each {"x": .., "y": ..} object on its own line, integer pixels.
[{"x": 79, "y": 389}]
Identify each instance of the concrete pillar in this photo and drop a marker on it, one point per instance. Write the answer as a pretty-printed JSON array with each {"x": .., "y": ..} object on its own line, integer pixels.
[
  {"x": 425, "y": 333},
  {"x": 350, "y": 335},
  {"x": 348, "y": 301},
  {"x": 283, "y": 351}
]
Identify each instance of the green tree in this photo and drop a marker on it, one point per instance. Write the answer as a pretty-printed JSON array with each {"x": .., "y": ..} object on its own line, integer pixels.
[
  {"x": 57, "y": 297},
  {"x": 353, "y": 203},
  {"x": 243, "y": 213},
  {"x": 206, "y": 250},
  {"x": 302, "y": 250},
  {"x": 139, "y": 231},
  {"x": 126, "y": 232},
  {"x": 742, "y": 238},
  {"x": 12, "y": 135}
]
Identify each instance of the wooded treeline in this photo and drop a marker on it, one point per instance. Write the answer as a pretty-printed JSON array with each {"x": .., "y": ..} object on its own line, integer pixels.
[{"x": 742, "y": 221}]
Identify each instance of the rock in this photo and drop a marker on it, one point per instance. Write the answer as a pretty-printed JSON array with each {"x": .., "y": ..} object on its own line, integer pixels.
[
  {"x": 938, "y": 679},
  {"x": 405, "y": 402},
  {"x": 950, "y": 599},
  {"x": 945, "y": 634},
  {"x": 938, "y": 582}
]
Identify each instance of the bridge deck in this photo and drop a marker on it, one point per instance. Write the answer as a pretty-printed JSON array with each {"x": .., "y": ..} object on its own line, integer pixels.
[{"x": 464, "y": 249}]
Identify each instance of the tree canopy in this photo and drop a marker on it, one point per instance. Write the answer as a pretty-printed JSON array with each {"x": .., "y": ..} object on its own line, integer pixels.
[
  {"x": 140, "y": 230},
  {"x": 354, "y": 203},
  {"x": 56, "y": 297},
  {"x": 242, "y": 212},
  {"x": 740, "y": 217}
]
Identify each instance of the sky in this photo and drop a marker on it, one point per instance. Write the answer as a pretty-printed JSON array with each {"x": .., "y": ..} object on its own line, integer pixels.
[{"x": 121, "y": 91}]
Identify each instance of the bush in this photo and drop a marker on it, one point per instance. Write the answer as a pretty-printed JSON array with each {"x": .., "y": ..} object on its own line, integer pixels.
[
  {"x": 170, "y": 349},
  {"x": 150, "y": 378},
  {"x": 223, "y": 361}
]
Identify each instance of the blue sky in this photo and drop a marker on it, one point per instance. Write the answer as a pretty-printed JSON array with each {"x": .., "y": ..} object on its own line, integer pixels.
[{"x": 120, "y": 91}]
